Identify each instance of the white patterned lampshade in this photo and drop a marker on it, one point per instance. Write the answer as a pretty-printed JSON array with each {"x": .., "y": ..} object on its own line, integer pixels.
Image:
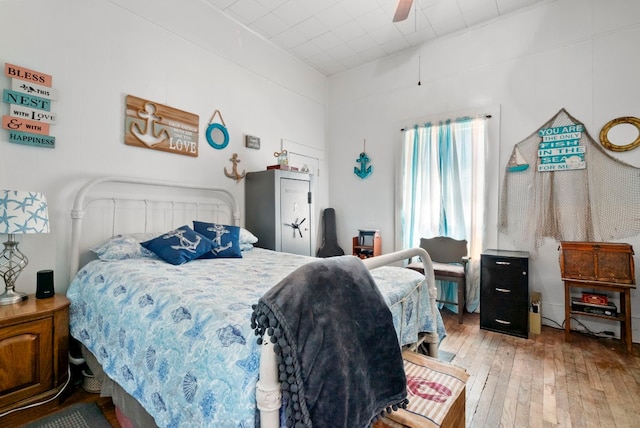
[
  {"x": 23, "y": 212},
  {"x": 20, "y": 212}
]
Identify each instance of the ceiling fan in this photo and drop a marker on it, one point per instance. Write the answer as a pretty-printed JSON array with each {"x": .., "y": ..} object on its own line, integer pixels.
[{"x": 402, "y": 10}]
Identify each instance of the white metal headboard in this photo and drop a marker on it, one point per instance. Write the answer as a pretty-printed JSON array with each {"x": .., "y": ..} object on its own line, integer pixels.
[{"x": 115, "y": 205}]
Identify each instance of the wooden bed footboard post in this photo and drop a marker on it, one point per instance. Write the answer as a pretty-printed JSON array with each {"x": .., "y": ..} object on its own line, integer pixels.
[{"x": 268, "y": 395}]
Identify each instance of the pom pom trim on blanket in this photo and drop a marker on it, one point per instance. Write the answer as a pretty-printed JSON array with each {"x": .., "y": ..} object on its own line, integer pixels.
[{"x": 272, "y": 315}]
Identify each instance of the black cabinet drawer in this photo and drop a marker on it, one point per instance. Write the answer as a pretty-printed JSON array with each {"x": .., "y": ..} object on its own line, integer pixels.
[
  {"x": 505, "y": 317},
  {"x": 505, "y": 276},
  {"x": 491, "y": 289}
]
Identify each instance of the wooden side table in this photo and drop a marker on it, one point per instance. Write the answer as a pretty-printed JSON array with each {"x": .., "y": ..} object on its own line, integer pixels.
[
  {"x": 624, "y": 317},
  {"x": 34, "y": 346},
  {"x": 367, "y": 244},
  {"x": 602, "y": 266}
]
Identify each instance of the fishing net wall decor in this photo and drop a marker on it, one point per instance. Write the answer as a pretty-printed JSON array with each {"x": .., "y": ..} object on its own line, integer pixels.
[{"x": 586, "y": 196}]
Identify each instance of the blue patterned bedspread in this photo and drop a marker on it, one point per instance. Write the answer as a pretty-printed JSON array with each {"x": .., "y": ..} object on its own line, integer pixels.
[{"x": 179, "y": 338}]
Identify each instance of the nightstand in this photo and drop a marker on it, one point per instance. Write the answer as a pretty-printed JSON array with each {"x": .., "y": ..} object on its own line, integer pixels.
[{"x": 34, "y": 343}]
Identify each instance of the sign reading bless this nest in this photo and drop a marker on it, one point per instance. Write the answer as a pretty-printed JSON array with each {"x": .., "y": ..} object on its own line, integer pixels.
[
  {"x": 29, "y": 102},
  {"x": 160, "y": 127}
]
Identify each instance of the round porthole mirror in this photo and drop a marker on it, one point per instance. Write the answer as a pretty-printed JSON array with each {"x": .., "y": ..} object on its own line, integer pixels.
[
  {"x": 217, "y": 135},
  {"x": 616, "y": 134}
]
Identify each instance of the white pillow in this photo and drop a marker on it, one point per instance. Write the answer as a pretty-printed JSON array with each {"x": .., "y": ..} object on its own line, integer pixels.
[
  {"x": 122, "y": 247},
  {"x": 247, "y": 237}
]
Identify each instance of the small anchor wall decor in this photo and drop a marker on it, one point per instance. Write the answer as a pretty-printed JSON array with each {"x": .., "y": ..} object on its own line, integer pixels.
[
  {"x": 364, "y": 171},
  {"x": 234, "y": 171}
]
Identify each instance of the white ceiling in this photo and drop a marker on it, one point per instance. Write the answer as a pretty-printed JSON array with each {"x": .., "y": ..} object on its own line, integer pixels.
[{"x": 335, "y": 35}]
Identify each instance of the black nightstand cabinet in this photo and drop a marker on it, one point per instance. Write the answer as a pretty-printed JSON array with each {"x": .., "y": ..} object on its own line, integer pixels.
[{"x": 504, "y": 292}]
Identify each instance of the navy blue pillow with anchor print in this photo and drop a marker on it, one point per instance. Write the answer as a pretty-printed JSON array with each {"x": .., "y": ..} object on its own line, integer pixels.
[
  {"x": 225, "y": 238},
  {"x": 179, "y": 246}
]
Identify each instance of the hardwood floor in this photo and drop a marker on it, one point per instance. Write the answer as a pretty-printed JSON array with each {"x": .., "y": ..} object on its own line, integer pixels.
[
  {"x": 539, "y": 382},
  {"x": 544, "y": 381}
]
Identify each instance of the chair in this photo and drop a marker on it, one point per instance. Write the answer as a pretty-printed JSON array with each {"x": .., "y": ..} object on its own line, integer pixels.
[{"x": 449, "y": 257}]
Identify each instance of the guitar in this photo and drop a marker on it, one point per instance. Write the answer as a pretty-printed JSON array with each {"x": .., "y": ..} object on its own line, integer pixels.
[{"x": 330, "y": 245}]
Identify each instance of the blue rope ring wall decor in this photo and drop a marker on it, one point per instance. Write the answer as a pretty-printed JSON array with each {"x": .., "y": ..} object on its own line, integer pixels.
[{"x": 212, "y": 127}]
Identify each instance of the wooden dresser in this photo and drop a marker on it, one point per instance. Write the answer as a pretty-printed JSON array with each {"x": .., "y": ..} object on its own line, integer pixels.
[
  {"x": 600, "y": 266},
  {"x": 34, "y": 343}
]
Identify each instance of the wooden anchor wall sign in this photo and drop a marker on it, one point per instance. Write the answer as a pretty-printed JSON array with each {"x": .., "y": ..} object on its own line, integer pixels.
[
  {"x": 217, "y": 134},
  {"x": 234, "y": 174},
  {"x": 159, "y": 127},
  {"x": 364, "y": 171}
]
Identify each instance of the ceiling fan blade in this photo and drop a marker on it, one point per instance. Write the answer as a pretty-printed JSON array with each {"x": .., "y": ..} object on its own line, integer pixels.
[{"x": 402, "y": 10}]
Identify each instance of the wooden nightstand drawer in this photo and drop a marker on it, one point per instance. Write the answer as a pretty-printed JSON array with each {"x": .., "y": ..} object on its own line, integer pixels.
[
  {"x": 25, "y": 352},
  {"x": 34, "y": 343}
]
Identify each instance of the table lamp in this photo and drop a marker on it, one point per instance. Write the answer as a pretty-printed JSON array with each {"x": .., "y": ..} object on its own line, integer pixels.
[{"x": 20, "y": 212}]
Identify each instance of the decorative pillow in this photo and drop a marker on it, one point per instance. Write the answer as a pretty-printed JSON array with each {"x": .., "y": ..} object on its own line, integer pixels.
[
  {"x": 247, "y": 237},
  {"x": 226, "y": 239},
  {"x": 179, "y": 246},
  {"x": 246, "y": 247},
  {"x": 122, "y": 247},
  {"x": 144, "y": 236}
]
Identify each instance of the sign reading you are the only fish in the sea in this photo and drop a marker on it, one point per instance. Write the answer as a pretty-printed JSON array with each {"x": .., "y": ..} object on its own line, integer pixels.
[
  {"x": 29, "y": 102},
  {"x": 560, "y": 148},
  {"x": 160, "y": 127}
]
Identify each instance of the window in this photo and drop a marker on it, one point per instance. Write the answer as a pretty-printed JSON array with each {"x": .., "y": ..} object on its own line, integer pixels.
[{"x": 443, "y": 189}]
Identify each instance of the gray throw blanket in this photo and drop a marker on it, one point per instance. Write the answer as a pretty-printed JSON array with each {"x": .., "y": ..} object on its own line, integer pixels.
[{"x": 339, "y": 360}]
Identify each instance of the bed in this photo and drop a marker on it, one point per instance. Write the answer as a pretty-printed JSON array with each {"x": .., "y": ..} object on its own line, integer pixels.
[{"x": 172, "y": 344}]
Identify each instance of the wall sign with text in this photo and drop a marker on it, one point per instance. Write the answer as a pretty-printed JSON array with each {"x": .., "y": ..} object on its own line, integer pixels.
[
  {"x": 29, "y": 102},
  {"x": 560, "y": 149},
  {"x": 160, "y": 127}
]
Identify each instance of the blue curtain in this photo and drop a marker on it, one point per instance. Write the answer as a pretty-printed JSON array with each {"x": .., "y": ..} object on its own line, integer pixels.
[{"x": 443, "y": 191}]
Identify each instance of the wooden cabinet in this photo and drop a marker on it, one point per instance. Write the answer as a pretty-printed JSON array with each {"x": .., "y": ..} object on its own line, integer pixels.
[
  {"x": 602, "y": 266},
  {"x": 367, "y": 244},
  {"x": 278, "y": 210},
  {"x": 34, "y": 341},
  {"x": 504, "y": 292}
]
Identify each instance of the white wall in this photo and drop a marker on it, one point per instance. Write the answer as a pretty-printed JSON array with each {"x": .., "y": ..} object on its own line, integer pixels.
[
  {"x": 576, "y": 54},
  {"x": 181, "y": 53}
]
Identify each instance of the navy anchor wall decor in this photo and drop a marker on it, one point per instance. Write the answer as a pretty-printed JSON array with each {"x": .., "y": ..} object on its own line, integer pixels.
[{"x": 364, "y": 171}]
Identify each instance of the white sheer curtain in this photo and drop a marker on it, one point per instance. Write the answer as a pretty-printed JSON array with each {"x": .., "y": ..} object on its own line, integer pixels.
[{"x": 443, "y": 190}]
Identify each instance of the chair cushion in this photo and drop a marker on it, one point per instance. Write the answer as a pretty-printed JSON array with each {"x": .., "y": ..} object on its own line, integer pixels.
[
  {"x": 447, "y": 269},
  {"x": 440, "y": 269}
]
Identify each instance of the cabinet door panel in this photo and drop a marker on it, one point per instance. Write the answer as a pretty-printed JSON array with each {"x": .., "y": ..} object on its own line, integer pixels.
[{"x": 27, "y": 364}]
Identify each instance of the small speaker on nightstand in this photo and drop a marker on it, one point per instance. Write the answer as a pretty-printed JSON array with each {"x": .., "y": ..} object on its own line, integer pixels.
[{"x": 45, "y": 284}]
